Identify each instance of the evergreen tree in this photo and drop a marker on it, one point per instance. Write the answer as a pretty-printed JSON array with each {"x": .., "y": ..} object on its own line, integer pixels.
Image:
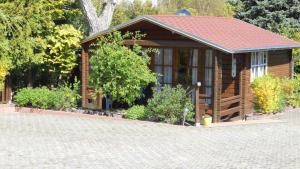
[{"x": 273, "y": 15}]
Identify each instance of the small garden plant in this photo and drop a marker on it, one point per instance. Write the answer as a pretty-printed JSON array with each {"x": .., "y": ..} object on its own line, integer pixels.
[
  {"x": 137, "y": 112},
  {"x": 45, "y": 98},
  {"x": 169, "y": 103}
]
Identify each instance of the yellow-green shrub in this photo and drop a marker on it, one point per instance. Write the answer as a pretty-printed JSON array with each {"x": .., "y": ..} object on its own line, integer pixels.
[
  {"x": 268, "y": 94},
  {"x": 290, "y": 88},
  {"x": 4, "y": 67}
]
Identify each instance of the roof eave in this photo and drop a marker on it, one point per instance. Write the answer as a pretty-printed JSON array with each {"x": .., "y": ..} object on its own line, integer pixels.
[
  {"x": 120, "y": 26},
  {"x": 246, "y": 50}
]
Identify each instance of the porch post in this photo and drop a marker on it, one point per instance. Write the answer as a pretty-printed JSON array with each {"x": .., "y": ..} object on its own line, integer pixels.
[
  {"x": 198, "y": 113},
  {"x": 216, "y": 87},
  {"x": 245, "y": 85},
  {"x": 84, "y": 57}
]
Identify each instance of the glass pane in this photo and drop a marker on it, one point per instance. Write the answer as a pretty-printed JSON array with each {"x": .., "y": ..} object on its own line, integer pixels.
[
  {"x": 184, "y": 74},
  {"x": 252, "y": 59},
  {"x": 195, "y": 57},
  {"x": 260, "y": 60},
  {"x": 158, "y": 70},
  {"x": 193, "y": 95},
  {"x": 208, "y": 58},
  {"x": 208, "y": 93},
  {"x": 194, "y": 75},
  {"x": 265, "y": 59},
  {"x": 263, "y": 70},
  {"x": 259, "y": 71},
  {"x": 256, "y": 60},
  {"x": 159, "y": 57},
  {"x": 255, "y": 72},
  {"x": 208, "y": 77},
  {"x": 168, "y": 74},
  {"x": 261, "y": 54},
  {"x": 168, "y": 54}
]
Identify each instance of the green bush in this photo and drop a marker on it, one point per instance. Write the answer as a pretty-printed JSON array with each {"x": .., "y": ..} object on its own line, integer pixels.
[
  {"x": 71, "y": 94},
  {"x": 42, "y": 97},
  {"x": 269, "y": 97},
  {"x": 291, "y": 88},
  {"x": 168, "y": 104},
  {"x": 136, "y": 112}
]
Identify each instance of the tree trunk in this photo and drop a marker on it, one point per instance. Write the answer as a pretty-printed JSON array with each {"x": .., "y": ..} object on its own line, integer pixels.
[{"x": 98, "y": 22}]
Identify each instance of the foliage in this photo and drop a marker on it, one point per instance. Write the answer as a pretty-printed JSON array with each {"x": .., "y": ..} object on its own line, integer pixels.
[
  {"x": 61, "y": 44},
  {"x": 4, "y": 67},
  {"x": 42, "y": 97},
  {"x": 136, "y": 112},
  {"x": 129, "y": 10},
  {"x": 169, "y": 103},
  {"x": 291, "y": 91},
  {"x": 268, "y": 94},
  {"x": 71, "y": 93},
  {"x": 272, "y": 15},
  {"x": 197, "y": 7},
  {"x": 296, "y": 53},
  {"x": 120, "y": 71},
  {"x": 27, "y": 29}
]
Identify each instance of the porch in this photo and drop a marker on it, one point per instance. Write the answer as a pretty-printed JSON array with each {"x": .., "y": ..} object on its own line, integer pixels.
[
  {"x": 224, "y": 77},
  {"x": 219, "y": 80}
]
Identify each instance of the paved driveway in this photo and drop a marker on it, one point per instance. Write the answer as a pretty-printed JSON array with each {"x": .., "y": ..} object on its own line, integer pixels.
[{"x": 59, "y": 141}]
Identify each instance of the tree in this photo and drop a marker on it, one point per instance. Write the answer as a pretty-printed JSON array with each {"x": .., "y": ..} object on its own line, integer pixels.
[
  {"x": 271, "y": 15},
  {"x": 25, "y": 29},
  {"x": 196, "y": 7},
  {"x": 119, "y": 71},
  {"x": 130, "y": 10},
  {"x": 98, "y": 21},
  {"x": 60, "y": 55}
]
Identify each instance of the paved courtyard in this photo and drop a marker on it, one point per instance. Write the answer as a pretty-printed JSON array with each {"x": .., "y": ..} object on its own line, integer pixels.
[{"x": 42, "y": 141}]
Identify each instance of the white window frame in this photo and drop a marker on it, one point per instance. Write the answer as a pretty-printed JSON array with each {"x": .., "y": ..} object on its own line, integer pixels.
[
  {"x": 259, "y": 62},
  {"x": 163, "y": 66}
]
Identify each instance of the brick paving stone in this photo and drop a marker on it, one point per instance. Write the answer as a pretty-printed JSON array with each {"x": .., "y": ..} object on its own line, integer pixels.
[{"x": 35, "y": 141}]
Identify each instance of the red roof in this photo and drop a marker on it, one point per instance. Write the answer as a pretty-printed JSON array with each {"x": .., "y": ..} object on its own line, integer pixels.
[{"x": 227, "y": 34}]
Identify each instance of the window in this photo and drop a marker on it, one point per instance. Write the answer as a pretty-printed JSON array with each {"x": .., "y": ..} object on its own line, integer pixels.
[
  {"x": 163, "y": 65},
  {"x": 259, "y": 62},
  {"x": 208, "y": 75},
  {"x": 194, "y": 67}
]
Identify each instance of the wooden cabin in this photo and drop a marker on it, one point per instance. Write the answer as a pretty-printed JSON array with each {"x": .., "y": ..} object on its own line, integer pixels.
[{"x": 224, "y": 54}]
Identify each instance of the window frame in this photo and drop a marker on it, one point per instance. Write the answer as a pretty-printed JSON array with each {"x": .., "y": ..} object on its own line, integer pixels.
[
  {"x": 259, "y": 60},
  {"x": 163, "y": 66}
]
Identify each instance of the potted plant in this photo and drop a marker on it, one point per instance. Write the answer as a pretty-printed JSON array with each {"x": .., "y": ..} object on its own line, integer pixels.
[{"x": 207, "y": 120}]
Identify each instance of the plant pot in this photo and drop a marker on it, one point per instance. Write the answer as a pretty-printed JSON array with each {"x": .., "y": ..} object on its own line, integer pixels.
[{"x": 207, "y": 120}]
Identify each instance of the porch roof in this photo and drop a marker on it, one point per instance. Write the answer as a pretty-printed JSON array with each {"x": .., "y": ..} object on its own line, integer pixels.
[{"x": 226, "y": 34}]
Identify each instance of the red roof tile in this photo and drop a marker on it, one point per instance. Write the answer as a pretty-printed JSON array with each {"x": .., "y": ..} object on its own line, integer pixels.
[
  {"x": 226, "y": 34},
  {"x": 229, "y": 33}
]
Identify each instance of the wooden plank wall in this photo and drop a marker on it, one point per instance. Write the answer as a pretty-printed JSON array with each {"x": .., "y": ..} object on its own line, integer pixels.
[
  {"x": 5, "y": 94},
  {"x": 279, "y": 63},
  {"x": 85, "y": 62},
  {"x": 231, "y": 85}
]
